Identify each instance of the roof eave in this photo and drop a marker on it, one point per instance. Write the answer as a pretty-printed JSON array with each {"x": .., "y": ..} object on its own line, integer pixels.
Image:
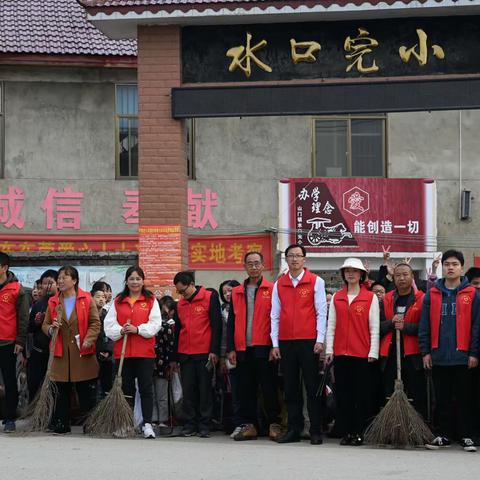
[{"x": 123, "y": 24}]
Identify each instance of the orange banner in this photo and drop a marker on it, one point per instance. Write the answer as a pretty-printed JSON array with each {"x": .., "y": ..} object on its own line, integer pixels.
[
  {"x": 225, "y": 252},
  {"x": 160, "y": 253}
]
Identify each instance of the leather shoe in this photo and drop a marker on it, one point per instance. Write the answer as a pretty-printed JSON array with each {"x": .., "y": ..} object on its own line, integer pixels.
[
  {"x": 290, "y": 437},
  {"x": 316, "y": 439}
]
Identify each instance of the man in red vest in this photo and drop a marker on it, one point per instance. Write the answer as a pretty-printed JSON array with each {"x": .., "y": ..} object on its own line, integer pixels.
[
  {"x": 14, "y": 306},
  {"x": 449, "y": 341},
  {"x": 249, "y": 345},
  {"x": 402, "y": 309},
  {"x": 198, "y": 329},
  {"x": 298, "y": 323}
]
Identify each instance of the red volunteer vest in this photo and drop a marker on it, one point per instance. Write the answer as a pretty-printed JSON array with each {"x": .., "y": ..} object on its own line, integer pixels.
[
  {"x": 261, "y": 315},
  {"x": 412, "y": 315},
  {"x": 196, "y": 331},
  {"x": 298, "y": 318},
  {"x": 464, "y": 303},
  {"x": 352, "y": 331},
  {"x": 137, "y": 346},
  {"x": 8, "y": 311},
  {"x": 82, "y": 308}
]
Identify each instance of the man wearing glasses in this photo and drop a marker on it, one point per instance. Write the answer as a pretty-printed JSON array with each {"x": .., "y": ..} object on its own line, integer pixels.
[
  {"x": 198, "y": 329},
  {"x": 249, "y": 345},
  {"x": 298, "y": 323}
]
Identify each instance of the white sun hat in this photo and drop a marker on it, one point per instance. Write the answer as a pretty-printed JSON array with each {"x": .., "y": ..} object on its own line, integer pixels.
[{"x": 353, "y": 263}]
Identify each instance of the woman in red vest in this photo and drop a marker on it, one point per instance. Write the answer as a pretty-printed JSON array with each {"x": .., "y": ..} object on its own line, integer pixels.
[
  {"x": 353, "y": 342},
  {"x": 136, "y": 312},
  {"x": 75, "y": 360}
]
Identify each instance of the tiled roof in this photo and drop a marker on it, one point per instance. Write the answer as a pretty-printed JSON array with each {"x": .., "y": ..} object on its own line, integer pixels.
[{"x": 54, "y": 27}]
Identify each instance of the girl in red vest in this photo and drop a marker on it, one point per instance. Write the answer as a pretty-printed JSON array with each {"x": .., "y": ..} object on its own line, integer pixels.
[
  {"x": 75, "y": 360},
  {"x": 353, "y": 342},
  {"x": 136, "y": 312}
]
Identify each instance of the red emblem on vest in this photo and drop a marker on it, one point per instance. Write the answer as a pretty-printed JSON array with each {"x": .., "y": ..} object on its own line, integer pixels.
[
  {"x": 266, "y": 294},
  {"x": 6, "y": 297},
  {"x": 304, "y": 292},
  {"x": 143, "y": 305},
  {"x": 359, "y": 309},
  {"x": 199, "y": 309},
  {"x": 466, "y": 299}
]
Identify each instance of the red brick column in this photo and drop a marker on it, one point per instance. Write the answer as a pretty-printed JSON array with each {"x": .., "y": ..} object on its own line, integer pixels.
[{"x": 163, "y": 178}]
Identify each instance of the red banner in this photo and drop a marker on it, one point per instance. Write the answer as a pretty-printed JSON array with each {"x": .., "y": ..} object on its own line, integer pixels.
[
  {"x": 68, "y": 243},
  {"x": 227, "y": 252},
  {"x": 361, "y": 214}
]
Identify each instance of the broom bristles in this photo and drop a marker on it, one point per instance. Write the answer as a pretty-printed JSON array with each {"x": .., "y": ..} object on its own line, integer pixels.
[
  {"x": 113, "y": 416},
  {"x": 398, "y": 424},
  {"x": 40, "y": 411}
]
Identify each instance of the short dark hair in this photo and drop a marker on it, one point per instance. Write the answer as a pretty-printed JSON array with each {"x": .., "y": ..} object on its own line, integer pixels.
[
  {"x": 49, "y": 274},
  {"x": 363, "y": 276},
  {"x": 296, "y": 245},
  {"x": 403, "y": 264},
  {"x": 455, "y": 254},
  {"x": 4, "y": 259},
  {"x": 71, "y": 272},
  {"x": 168, "y": 302},
  {"x": 185, "y": 278},
  {"x": 99, "y": 285},
  {"x": 473, "y": 272},
  {"x": 252, "y": 253},
  {"x": 374, "y": 284},
  {"x": 96, "y": 289}
]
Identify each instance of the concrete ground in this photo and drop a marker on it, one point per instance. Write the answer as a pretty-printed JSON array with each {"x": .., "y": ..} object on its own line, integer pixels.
[{"x": 78, "y": 457}]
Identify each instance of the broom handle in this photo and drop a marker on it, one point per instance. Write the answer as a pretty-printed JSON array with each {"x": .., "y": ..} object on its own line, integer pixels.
[
  {"x": 122, "y": 355},
  {"x": 399, "y": 358},
  {"x": 53, "y": 341}
]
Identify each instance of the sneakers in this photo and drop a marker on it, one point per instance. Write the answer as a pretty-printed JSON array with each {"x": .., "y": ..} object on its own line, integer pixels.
[
  {"x": 188, "y": 431},
  {"x": 204, "y": 433},
  {"x": 275, "y": 431},
  {"x": 438, "y": 442},
  {"x": 147, "y": 430},
  {"x": 247, "y": 432},
  {"x": 468, "y": 445},
  {"x": 237, "y": 430},
  {"x": 9, "y": 426}
]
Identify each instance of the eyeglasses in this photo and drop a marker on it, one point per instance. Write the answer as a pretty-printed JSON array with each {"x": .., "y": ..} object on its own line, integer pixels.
[
  {"x": 254, "y": 264},
  {"x": 295, "y": 256},
  {"x": 183, "y": 290}
]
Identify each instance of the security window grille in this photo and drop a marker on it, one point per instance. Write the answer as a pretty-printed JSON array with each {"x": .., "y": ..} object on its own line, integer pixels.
[
  {"x": 349, "y": 147},
  {"x": 127, "y": 130}
]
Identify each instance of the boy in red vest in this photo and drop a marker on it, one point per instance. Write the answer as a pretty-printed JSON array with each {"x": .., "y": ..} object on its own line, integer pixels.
[
  {"x": 249, "y": 345},
  {"x": 198, "y": 330},
  {"x": 298, "y": 323},
  {"x": 448, "y": 336},
  {"x": 402, "y": 309},
  {"x": 14, "y": 308}
]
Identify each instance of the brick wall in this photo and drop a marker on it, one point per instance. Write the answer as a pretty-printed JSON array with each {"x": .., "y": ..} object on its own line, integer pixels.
[{"x": 162, "y": 165}]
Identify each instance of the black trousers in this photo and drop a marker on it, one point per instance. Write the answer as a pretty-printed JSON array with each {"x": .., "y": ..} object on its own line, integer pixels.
[
  {"x": 36, "y": 370},
  {"x": 298, "y": 358},
  {"x": 353, "y": 394},
  {"x": 87, "y": 397},
  {"x": 8, "y": 366},
  {"x": 105, "y": 376},
  {"x": 254, "y": 374},
  {"x": 142, "y": 370},
  {"x": 197, "y": 403},
  {"x": 414, "y": 381},
  {"x": 454, "y": 385}
]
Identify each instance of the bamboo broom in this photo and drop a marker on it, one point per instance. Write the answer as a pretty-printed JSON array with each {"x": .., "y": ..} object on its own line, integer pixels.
[
  {"x": 113, "y": 416},
  {"x": 40, "y": 411},
  {"x": 398, "y": 424}
]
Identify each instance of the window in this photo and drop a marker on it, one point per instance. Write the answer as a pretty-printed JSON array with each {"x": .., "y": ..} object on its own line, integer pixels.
[
  {"x": 349, "y": 147},
  {"x": 127, "y": 130}
]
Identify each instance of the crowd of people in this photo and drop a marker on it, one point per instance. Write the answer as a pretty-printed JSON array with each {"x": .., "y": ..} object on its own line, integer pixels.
[{"x": 288, "y": 359}]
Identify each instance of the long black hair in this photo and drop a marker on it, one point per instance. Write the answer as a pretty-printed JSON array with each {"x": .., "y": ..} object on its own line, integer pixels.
[{"x": 126, "y": 291}]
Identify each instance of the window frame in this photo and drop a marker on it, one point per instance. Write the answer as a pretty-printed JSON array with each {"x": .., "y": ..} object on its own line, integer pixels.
[
  {"x": 117, "y": 132},
  {"x": 189, "y": 132},
  {"x": 2, "y": 129},
  {"x": 348, "y": 119}
]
